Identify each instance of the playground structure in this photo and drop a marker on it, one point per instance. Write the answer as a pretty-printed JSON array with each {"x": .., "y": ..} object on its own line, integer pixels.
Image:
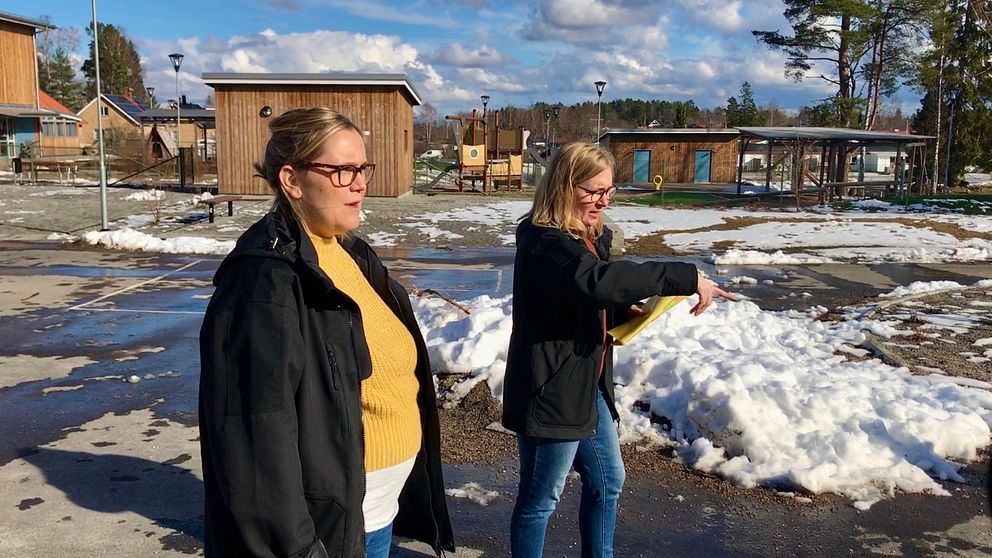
[{"x": 488, "y": 154}]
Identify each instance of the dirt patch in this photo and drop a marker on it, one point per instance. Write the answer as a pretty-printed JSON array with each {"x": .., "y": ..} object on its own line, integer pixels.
[
  {"x": 941, "y": 227},
  {"x": 930, "y": 348},
  {"x": 464, "y": 436}
]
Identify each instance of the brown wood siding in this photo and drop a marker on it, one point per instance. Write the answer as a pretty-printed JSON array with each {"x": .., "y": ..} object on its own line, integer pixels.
[
  {"x": 112, "y": 120},
  {"x": 384, "y": 112},
  {"x": 674, "y": 156},
  {"x": 59, "y": 145},
  {"x": 18, "y": 80}
]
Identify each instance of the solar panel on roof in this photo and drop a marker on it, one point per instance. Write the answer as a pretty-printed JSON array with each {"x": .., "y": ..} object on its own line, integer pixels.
[{"x": 125, "y": 105}]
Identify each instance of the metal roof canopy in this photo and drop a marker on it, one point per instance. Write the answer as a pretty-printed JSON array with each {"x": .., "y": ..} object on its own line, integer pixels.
[
  {"x": 213, "y": 79},
  {"x": 828, "y": 134},
  {"x": 26, "y": 21}
]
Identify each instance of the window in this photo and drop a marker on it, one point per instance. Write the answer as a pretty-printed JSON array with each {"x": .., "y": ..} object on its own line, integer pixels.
[
  {"x": 48, "y": 128},
  {"x": 105, "y": 111}
]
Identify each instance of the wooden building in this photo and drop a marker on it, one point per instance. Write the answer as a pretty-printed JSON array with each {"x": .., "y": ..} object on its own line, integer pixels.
[
  {"x": 120, "y": 117},
  {"x": 380, "y": 104},
  {"x": 20, "y": 110},
  {"x": 678, "y": 155}
]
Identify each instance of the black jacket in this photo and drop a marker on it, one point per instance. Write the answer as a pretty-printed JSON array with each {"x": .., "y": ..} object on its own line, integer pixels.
[
  {"x": 282, "y": 355},
  {"x": 559, "y": 292}
]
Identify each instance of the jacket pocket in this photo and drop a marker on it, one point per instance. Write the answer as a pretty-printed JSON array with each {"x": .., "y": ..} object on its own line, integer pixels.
[
  {"x": 339, "y": 395},
  {"x": 330, "y": 521},
  {"x": 567, "y": 397}
]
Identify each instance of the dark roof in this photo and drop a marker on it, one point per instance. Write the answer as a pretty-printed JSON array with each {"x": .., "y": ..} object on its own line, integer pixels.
[
  {"x": 828, "y": 134},
  {"x": 213, "y": 79},
  {"x": 29, "y": 22},
  {"x": 133, "y": 107},
  {"x": 670, "y": 131},
  {"x": 169, "y": 115}
]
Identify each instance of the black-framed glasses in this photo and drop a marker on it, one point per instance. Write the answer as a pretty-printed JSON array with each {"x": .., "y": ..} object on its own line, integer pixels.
[
  {"x": 597, "y": 195},
  {"x": 344, "y": 175}
]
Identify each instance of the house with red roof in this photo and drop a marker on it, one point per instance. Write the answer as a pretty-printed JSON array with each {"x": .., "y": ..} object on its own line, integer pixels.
[{"x": 59, "y": 128}]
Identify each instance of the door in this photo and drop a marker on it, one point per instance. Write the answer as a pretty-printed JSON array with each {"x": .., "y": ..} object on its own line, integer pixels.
[
  {"x": 702, "y": 166},
  {"x": 7, "y": 138},
  {"x": 642, "y": 165}
]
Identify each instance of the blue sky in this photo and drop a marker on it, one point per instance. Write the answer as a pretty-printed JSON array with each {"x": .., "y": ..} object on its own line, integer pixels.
[{"x": 453, "y": 51}]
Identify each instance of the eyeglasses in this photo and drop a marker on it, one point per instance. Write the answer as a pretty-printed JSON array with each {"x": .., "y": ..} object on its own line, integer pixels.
[
  {"x": 597, "y": 195},
  {"x": 344, "y": 175}
]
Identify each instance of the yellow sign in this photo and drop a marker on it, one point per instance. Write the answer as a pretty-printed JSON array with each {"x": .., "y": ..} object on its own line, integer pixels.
[
  {"x": 653, "y": 308},
  {"x": 658, "y": 182}
]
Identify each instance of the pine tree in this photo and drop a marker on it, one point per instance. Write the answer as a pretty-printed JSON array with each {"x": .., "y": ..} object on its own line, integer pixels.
[
  {"x": 120, "y": 65},
  {"x": 957, "y": 86},
  {"x": 748, "y": 109},
  {"x": 733, "y": 113}
]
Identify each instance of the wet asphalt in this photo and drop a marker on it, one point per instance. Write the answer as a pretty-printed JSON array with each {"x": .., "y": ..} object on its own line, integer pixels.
[{"x": 139, "y": 315}]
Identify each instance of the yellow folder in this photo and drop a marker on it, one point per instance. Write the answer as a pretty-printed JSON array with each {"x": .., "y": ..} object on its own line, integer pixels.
[{"x": 653, "y": 308}]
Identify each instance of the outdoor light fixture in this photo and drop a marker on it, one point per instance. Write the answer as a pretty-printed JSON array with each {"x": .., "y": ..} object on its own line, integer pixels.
[
  {"x": 265, "y": 111},
  {"x": 555, "y": 110},
  {"x": 600, "y": 86},
  {"x": 485, "y": 101},
  {"x": 151, "y": 96},
  {"x": 177, "y": 60}
]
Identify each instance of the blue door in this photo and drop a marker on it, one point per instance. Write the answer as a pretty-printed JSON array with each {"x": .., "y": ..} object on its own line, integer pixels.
[
  {"x": 642, "y": 165},
  {"x": 702, "y": 166}
]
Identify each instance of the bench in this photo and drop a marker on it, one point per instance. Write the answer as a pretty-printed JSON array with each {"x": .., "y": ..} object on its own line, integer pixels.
[{"x": 211, "y": 202}]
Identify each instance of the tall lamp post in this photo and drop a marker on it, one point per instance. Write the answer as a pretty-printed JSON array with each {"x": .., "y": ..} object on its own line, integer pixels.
[
  {"x": 600, "y": 86},
  {"x": 955, "y": 94},
  {"x": 547, "y": 130},
  {"x": 177, "y": 60},
  {"x": 485, "y": 101},
  {"x": 555, "y": 110},
  {"x": 151, "y": 96},
  {"x": 104, "y": 222}
]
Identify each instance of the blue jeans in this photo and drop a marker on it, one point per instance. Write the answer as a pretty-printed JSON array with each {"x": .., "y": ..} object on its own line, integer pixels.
[
  {"x": 544, "y": 464},
  {"x": 377, "y": 543}
]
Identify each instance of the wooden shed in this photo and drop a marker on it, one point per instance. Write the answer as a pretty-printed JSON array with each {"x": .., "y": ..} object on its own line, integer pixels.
[
  {"x": 380, "y": 104},
  {"x": 678, "y": 155}
]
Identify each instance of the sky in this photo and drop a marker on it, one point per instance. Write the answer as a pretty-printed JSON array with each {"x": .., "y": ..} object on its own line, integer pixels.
[
  {"x": 782, "y": 399},
  {"x": 454, "y": 51}
]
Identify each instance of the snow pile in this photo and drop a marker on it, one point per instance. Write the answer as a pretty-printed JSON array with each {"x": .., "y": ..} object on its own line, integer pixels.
[
  {"x": 919, "y": 287},
  {"x": 130, "y": 239},
  {"x": 871, "y": 204},
  {"x": 754, "y": 257},
  {"x": 474, "y": 492},
  {"x": 760, "y": 398},
  {"x": 146, "y": 195}
]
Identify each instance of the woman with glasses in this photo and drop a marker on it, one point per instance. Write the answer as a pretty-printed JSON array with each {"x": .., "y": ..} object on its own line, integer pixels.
[
  {"x": 558, "y": 392},
  {"x": 297, "y": 460}
]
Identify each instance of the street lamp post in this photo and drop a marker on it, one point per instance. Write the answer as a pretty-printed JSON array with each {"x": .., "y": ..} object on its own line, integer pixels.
[
  {"x": 177, "y": 60},
  {"x": 547, "y": 130},
  {"x": 151, "y": 96},
  {"x": 600, "y": 85},
  {"x": 485, "y": 101},
  {"x": 104, "y": 222},
  {"x": 955, "y": 93},
  {"x": 555, "y": 110}
]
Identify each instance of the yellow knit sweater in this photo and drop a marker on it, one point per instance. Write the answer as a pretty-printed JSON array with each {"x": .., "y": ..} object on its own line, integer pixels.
[{"x": 390, "y": 416}]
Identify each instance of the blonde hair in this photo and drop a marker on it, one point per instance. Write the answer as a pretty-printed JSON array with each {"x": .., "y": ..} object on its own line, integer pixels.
[
  {"x": 554, "y": 197},
  {"x": 298, "y": 135}
]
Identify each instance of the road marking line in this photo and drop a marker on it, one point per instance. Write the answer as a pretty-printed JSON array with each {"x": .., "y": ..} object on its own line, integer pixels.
[
  {"x": 137, "y": 311},
  {"x": 135, "y": 286}
]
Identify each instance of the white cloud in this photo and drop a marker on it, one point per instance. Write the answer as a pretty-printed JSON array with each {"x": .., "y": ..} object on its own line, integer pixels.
[
  {"x": 385, "y": 12},
  {"x": 722, "y": 15},
  {"x": 457, "y": 55}
]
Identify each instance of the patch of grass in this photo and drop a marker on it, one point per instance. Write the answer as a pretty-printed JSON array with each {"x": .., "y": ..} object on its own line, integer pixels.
[{"x": 671, "y": 198}]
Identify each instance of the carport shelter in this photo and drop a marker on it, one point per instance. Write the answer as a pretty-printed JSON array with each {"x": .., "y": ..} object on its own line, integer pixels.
[
  {"x": 833, "y": 146},
  {"x": 380, "y": 104}
]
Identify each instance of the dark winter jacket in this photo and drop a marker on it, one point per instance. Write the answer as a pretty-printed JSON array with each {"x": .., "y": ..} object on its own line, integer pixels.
[
  {"x": 560, "y": 290},
  {"x": 282, "y": 355}
]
